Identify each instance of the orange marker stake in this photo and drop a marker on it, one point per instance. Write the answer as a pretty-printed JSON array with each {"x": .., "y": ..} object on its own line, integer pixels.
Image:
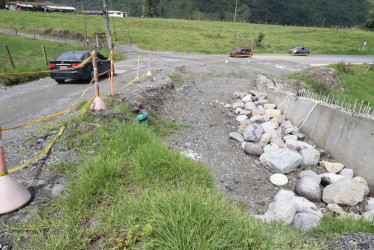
[
  {"x": 137, "y": 72},
  {"x": 111, "y": 73},
  {"x": 98, "y": 103}
]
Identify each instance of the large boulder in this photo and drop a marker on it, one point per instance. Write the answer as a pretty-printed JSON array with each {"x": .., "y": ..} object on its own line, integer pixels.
[
  {"x": 281, "y": 160},
  {"x": 344, "y": 192},
  {"x": 312, "y": 174},
  {"x": 281, "y": 211},
  {"x": 310, "y": 156},
  {"x": 253, "y": 133},
  {"x": 308, "y": 187}
]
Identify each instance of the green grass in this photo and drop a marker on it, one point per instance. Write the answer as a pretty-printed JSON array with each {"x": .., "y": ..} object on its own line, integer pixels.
[
  {"x": 356, "y": 82},
  {"x": 200, "y": 36}
]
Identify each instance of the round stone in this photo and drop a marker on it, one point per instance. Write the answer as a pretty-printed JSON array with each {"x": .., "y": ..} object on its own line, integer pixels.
[{"x": 279, "y": 179}]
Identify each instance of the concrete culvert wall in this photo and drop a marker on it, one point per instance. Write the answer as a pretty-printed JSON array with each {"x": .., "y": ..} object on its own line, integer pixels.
[{"x": 349, "y": 139}]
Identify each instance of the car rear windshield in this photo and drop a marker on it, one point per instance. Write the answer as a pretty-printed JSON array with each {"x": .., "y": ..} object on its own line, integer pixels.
[{"x": 72, "y": 56}]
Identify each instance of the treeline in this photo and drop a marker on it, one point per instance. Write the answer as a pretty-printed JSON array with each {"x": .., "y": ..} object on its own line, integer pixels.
[{"x": 284, "y": 12}]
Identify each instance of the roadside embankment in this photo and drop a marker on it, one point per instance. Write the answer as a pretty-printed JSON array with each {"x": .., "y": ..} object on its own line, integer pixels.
[{"x": 347, "y": 137}]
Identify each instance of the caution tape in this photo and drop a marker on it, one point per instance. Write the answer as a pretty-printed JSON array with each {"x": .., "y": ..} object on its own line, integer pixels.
[
  {"x": 51, "y": 116},
  {"x": 47, "y": 71},
  {"x": 84, "y": 109},
  {"x": 37, "y": 157}
]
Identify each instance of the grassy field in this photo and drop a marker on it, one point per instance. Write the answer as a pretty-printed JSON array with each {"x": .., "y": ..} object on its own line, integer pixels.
[
  {"x": 198, "y": 36},
  {"x": 28, "y": 57},
  {"x": 134, "y": 192},
  {"x": 356, "y": 82}
]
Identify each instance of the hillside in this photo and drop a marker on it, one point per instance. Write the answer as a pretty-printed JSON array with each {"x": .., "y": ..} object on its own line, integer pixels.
[{"x": 284, "y": 12}]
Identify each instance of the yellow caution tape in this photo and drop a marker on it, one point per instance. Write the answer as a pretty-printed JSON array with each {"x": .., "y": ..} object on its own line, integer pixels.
[
  {"x": 51, "y": 116},
  {"x": 47, "y": 71},
  {"x": 85, "y": 107},
  {"x": 39, "y": 155}
]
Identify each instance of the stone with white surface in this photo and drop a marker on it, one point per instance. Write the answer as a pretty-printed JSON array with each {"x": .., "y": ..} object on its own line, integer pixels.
[
  {"x": 268, "y": 126},
  {"x": 253, "y": 133},
  {"x": 270, "y": 106},
  {"x": 281, "y": 160},
  {"x": 310, "y": 156},
  {"x": 250, "y": 106},
  {"x": 257, "y": 118},
  {"x": 329, "y": 178},
  {"x": 332, "y": 167},
  {"x": 247, "y": 98},
  {"x": 312, "y": 174},
  {"x": 335, "y": 208},
  {"x": 238, "y": 104},
  {"x": 265, "y": 139},
  {"x": 279, "y": 180},
  {"x": 271, "y": 146},
  {"x": 236, "y": 136},
  {"x": 241, "y": 118},
  {"x": 273, "y": 112},
  {"x": 305, "y": 221},
  {"x": 347, "y": 172}
]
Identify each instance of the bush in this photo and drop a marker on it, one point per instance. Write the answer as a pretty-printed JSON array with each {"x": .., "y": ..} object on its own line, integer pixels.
[{"x": 345, "y": 68}]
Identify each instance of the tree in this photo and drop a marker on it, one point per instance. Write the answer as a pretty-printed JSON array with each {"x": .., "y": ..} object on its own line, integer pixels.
[
  {"x": 244, "y": 12},
  {"x": 369, "y": 24},
  {"x": 151, "y": 8},
  {"x": 236, "y": 8}
]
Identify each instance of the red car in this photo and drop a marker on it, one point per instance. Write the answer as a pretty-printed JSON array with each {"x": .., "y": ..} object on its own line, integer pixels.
[{"x": 241, "y": 52}]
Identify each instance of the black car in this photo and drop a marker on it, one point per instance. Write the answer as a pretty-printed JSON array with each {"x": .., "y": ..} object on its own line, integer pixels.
[
  {"x": 72, "y": 59},
  {"x": 301, "y": 50}
]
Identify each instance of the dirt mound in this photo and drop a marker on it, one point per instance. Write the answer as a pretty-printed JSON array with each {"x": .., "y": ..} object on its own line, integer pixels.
[{"x": 326, "y": 74}]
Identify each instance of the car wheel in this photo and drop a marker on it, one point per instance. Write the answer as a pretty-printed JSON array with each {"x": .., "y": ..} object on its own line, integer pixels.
[
  {"x": 90, "y": 76},
  {"x": 60, "y": 80},
  {"x": 307, "y": 53}
]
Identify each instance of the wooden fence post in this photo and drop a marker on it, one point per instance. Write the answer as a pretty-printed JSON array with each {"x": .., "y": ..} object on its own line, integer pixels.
[
  {"x": 9, "y": 56},
  {"x": 45, "y": 55}
]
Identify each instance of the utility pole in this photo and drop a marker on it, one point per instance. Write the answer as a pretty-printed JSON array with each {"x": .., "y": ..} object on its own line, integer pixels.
[
  {"x": 236, "y": 7},
  {"x": 107, "y": 24},
  {"x": 85, "y": 25}
]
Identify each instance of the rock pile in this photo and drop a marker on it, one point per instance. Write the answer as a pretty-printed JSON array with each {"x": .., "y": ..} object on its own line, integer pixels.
[{"x": 263, "y": 131}]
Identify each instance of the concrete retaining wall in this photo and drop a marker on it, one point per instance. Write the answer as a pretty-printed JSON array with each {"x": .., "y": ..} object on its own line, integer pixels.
[{"x": 349, "y": 139}]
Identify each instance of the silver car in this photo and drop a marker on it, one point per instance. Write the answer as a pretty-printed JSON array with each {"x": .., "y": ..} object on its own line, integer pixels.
[{"x": 301, "y": 50}]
